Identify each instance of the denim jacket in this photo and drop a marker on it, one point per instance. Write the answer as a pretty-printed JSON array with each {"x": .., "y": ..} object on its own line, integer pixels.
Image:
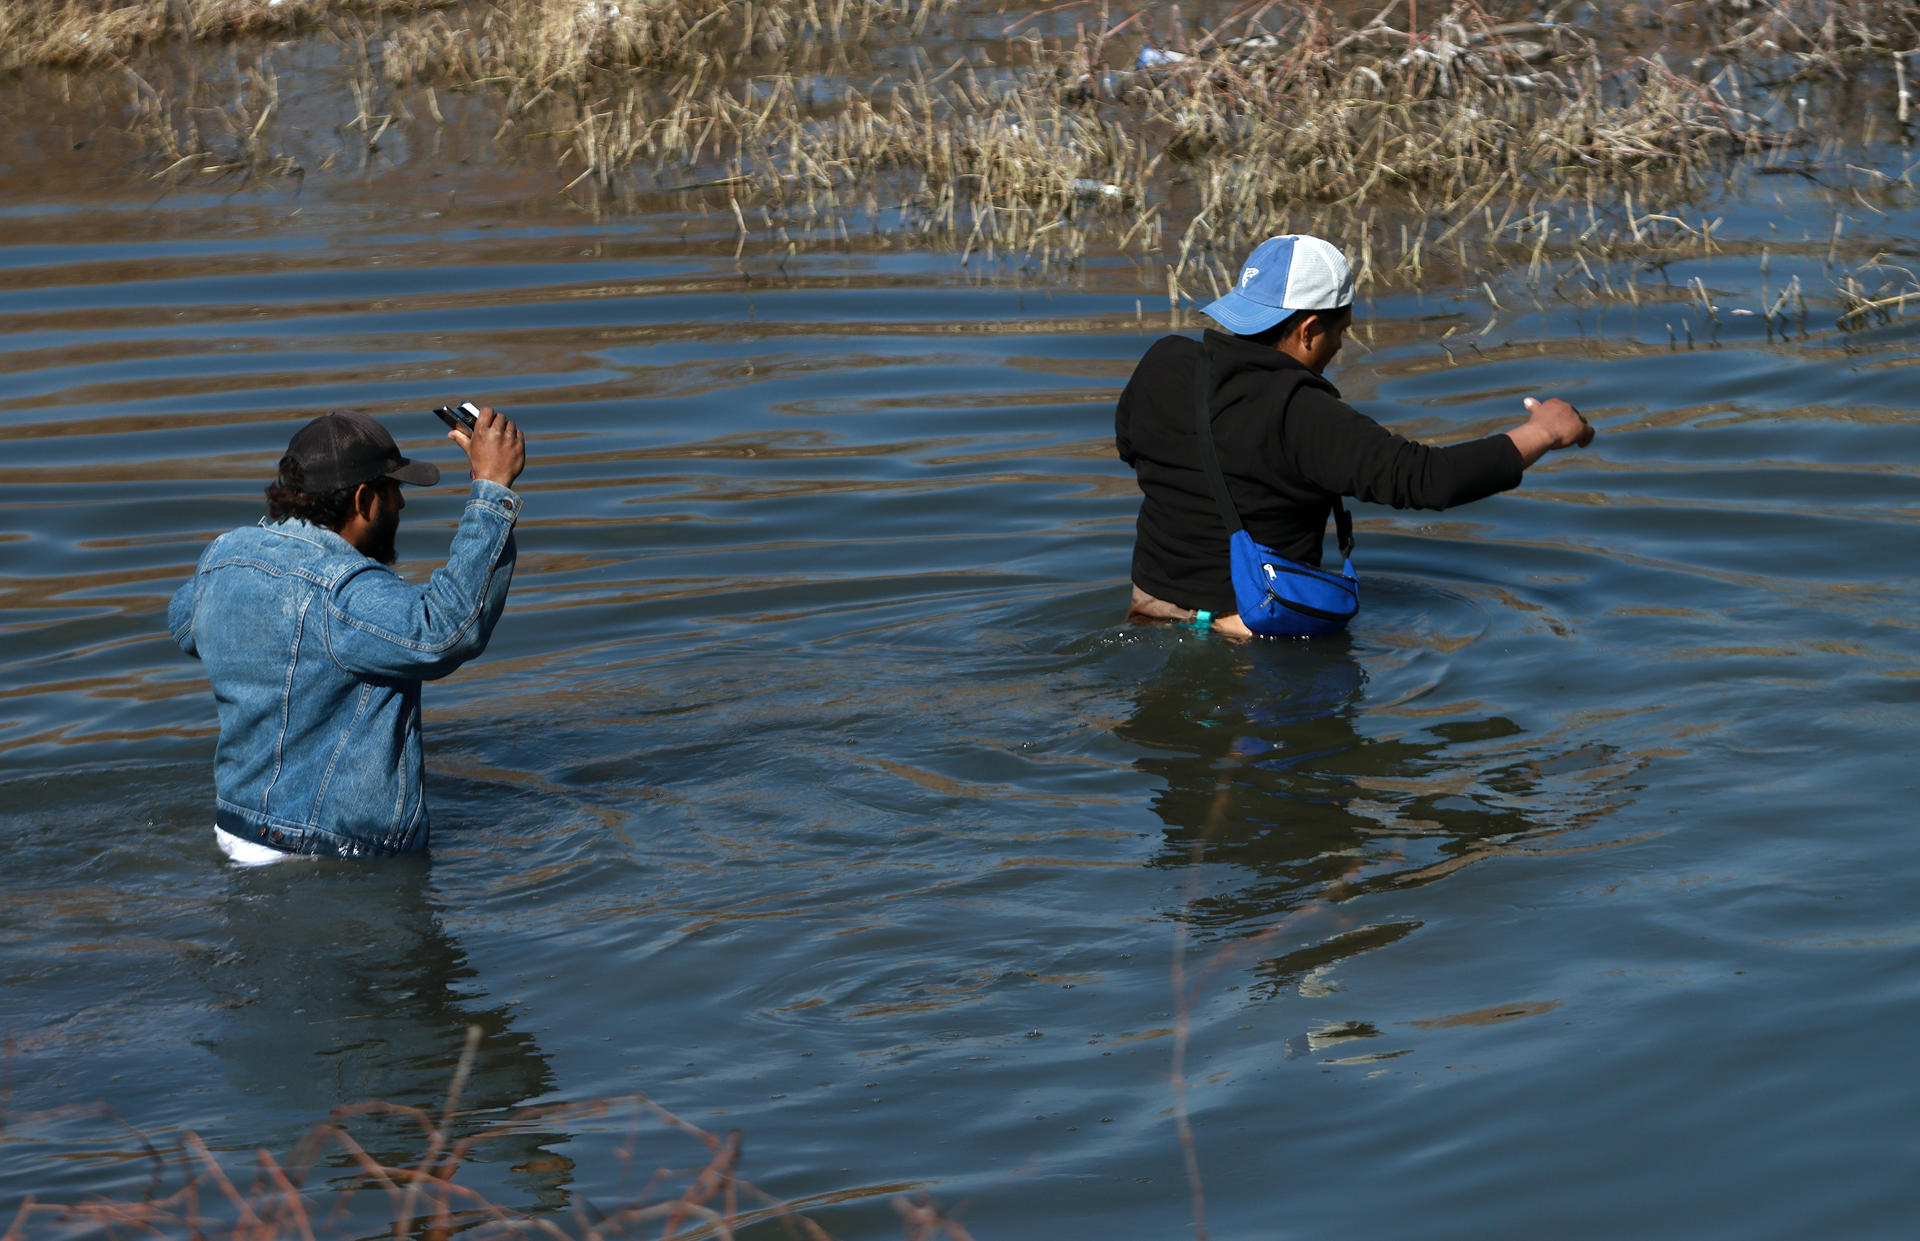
[{"x": 316, "y": 654}]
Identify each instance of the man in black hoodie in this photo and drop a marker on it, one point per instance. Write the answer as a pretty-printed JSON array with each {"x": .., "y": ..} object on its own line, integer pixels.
[{"x": 1288, "y": 445}]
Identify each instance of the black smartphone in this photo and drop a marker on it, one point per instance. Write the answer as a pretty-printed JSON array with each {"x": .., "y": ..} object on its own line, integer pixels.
[{"x": 460, "y": 417}]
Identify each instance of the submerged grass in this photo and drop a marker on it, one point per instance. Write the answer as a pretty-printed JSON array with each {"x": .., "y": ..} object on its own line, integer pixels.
[
  {"x": 1461, "y": 140},
  {"x": 195, "y": 1195}
]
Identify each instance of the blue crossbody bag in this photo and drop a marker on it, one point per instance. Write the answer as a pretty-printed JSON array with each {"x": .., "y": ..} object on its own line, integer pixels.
[{"x": 1277, "y": 597}]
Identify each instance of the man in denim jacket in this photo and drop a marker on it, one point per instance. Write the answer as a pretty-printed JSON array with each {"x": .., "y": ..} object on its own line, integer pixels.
[{"x": 316, "y": 648}]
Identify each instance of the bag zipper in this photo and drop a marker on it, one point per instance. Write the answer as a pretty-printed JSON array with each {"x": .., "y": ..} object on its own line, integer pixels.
[{"x": 1307, "y": 609}]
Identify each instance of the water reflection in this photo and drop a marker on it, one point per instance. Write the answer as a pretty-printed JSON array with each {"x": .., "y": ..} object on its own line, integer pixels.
[
  {"x": 341, "y": 985},
  {"x": 1267, "y": 768}
]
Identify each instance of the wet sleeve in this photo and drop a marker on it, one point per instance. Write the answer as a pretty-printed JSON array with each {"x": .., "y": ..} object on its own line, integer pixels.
[
  {"x": 378, "y": 624},
  {"x": 1340, "y": 449},
  {"x": 180, "y": 618}
]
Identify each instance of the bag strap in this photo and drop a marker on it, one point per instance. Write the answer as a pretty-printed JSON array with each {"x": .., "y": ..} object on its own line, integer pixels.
[{"x": 1210, "y": 461}]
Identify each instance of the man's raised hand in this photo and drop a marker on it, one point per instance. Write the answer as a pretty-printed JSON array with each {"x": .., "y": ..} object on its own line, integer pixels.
[{"x": 497, "y": 450}]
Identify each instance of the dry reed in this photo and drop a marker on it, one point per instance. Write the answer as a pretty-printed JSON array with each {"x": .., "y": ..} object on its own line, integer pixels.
[
  {"x": 192, "y": 1195},
  {"x": 1435, "y": 152},
  {"x": 80, "y": 34},
  {"x": 1394, "y": 142},
  {"x": 213, "y": 129},
  {"x": 531, "y": 47}
]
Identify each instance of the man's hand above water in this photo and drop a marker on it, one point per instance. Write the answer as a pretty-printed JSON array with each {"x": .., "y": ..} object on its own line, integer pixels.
[
  {"x": 496, "y": 449},
  {"x": 1550, "y": 424}
]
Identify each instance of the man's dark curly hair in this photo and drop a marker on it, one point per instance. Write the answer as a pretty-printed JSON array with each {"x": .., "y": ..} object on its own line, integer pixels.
[{"x": 288, "y": 497}]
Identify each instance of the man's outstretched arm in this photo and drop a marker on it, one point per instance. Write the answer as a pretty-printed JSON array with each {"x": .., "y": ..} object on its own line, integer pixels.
[{"x": 1341, "y": 449}]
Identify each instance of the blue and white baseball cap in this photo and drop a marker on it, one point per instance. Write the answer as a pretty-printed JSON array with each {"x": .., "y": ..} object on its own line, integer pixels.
[{"x": 1282, "y": 275}]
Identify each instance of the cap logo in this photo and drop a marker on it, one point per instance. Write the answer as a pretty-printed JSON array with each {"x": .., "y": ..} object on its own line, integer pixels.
[{"x": 1246, "y": 277}]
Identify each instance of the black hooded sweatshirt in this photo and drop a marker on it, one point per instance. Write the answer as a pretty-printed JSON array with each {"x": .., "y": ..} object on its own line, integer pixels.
[{"x": 1284, "y": 466}]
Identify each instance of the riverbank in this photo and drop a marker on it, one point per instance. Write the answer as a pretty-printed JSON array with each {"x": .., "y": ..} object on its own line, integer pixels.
[{"x": 1442, "y": 145}]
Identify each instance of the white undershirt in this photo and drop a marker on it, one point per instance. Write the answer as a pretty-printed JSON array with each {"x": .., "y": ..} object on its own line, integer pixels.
[{"x": 245, "y": 852}]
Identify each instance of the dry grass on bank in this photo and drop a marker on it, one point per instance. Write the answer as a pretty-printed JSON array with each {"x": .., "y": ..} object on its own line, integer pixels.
[
  {"x": 1438, "y": 151},
  {"x": 193, "y": 1195},
  {"x": 528, "y": 48},
  {"x": 1481, "y": 132},
  {"x": 1403, "y": 145},
  {"x": 86, "y": 34}
]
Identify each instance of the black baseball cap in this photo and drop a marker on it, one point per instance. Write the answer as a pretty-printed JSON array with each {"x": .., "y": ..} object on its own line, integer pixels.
[{"x": 344, "y": 448}]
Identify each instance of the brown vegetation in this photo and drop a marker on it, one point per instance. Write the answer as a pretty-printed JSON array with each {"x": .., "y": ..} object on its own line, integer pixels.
[
  {"x": 193, "y": 1196},
  {"x": 81, "y": 34},
  {"x": 1439, "y": 147}
]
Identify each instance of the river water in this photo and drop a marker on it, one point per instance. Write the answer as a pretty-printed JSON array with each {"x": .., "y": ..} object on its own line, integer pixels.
[{"x": 813, "y": 786}]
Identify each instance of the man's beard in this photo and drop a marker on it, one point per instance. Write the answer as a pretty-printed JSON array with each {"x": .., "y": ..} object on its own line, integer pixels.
[{"x": 378, "y": 542}]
